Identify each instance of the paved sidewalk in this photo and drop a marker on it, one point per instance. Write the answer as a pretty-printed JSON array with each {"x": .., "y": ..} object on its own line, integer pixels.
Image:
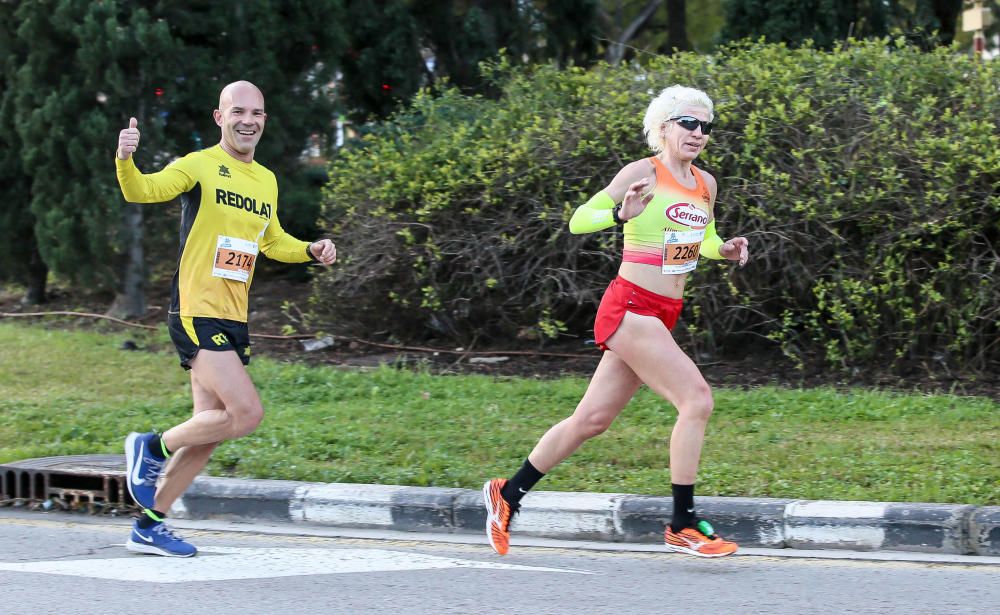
[{"x": 603, "y": 517}]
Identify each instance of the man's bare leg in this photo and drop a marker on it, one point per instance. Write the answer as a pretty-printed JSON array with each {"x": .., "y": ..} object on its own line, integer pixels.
[
  {"x": 188, "y": 462},
  {"x": 239, "y": 410}
]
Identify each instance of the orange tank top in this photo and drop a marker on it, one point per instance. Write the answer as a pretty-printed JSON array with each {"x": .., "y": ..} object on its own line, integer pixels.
[{"x": 673, "y": 208}]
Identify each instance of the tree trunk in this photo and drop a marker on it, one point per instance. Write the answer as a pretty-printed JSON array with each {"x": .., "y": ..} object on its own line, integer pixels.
[
  {"x": 37, "y": 278},
  {"x": 946, "y": 12},
  {"x": 616, "y": 50},
  {"x": 677, "y": 26},
  {"x": 130, "y": 302},
  {"x": 131, "y": 299}
]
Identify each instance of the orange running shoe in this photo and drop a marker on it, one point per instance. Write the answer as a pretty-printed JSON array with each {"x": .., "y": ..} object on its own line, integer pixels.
[
  {"x": 498, "y": 514},
  {"x": 700, "y": 541}
]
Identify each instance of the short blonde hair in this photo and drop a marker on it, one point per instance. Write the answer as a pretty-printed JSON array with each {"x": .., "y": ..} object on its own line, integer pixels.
[{"x": 669, "y": 104}]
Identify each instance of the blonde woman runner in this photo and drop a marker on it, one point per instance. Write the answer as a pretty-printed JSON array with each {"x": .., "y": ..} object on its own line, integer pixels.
[{"x": 665, "y": 204}]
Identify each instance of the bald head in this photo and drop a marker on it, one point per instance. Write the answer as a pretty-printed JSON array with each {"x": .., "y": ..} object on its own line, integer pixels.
[
  {"x": 240, "y": 92},
  {"x": 241, "y": 117}
]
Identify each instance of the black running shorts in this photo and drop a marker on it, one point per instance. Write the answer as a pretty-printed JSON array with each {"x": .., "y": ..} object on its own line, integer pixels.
[{"x": 191, "y": 334}]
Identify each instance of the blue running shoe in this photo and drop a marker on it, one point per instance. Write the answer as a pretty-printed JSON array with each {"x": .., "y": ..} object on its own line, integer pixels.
[
  {"x": 141, "y": 468},
  {"x": 159, "y": 540}
]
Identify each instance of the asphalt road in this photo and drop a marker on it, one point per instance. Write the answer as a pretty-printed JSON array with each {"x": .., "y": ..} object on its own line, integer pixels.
[{"x": 61, "y": 563}]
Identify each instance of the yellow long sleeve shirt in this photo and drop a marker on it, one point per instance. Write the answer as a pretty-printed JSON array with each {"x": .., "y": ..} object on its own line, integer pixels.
[{"x": 229, "y": 214}]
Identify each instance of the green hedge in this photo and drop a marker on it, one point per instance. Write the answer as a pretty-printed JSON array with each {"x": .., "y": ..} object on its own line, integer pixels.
[{"x": 865, "y": 179}]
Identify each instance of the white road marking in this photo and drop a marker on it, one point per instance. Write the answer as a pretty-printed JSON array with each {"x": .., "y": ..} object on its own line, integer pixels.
[
  {"x": 836, "y": 536},
  {"x": 231, "y": 563},
  {"x": 344, "y": 504},
  {"x": 836, "y": 510},
  {"x": 568, "y": 515},
  {"x": 840, "y": 532}
]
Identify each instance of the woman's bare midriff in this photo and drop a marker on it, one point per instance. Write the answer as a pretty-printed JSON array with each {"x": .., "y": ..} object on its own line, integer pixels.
[{"x": 652, "y": 279}]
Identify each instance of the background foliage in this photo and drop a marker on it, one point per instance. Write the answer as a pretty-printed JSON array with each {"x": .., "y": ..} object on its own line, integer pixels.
[
  {"x": 74, "y": 71},
  {"x": 865, "y": 178},
  {"x": 865, "y": 174}
]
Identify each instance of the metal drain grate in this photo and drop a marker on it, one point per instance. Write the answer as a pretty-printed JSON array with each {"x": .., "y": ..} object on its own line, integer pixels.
[{"x": 75, "y": 481}]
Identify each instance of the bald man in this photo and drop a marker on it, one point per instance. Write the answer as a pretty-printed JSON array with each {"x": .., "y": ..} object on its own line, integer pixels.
[{"x": 229, "y": 215}]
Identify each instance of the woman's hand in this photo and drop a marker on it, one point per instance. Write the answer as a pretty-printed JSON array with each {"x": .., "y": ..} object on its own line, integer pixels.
[
  {"x": 736, "y": 249},
  {"x": 635, "y": 201}
]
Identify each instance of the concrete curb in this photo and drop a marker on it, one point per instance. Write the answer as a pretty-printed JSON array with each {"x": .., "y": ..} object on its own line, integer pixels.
[
  {"x": 607, "y": 517},
  {"x": 985, "y": 530}
]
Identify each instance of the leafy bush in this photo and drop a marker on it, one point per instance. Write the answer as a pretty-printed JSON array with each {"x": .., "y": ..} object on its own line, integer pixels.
[{"x": 865, "y": 179}]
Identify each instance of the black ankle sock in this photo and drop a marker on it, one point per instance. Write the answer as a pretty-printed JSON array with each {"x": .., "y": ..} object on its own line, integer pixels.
[
  {"x": 149, "y": 518},
  {"x": 521, "y": 483},
  {"x": 157, "y": 447},
  {"x": 683, "y": 507}
]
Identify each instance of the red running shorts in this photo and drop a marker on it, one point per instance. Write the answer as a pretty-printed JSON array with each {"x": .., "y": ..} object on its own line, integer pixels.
[{"x": 624, "y": 296}]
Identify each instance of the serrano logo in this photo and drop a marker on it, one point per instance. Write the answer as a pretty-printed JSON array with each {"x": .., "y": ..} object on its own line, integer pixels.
[{"x": 688, "y": 215}]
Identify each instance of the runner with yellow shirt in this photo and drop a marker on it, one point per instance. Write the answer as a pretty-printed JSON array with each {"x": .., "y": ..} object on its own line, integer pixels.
[{"x": 229, "y": 217}]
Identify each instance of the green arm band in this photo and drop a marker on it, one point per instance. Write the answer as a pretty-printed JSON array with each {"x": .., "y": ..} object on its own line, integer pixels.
[
  {"x": 711, "y": 243},
  {"x": 594, "y": 215}
]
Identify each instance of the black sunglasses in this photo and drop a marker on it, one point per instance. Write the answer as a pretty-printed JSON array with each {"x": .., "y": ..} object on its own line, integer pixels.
[{"x": 690, "y": 123}]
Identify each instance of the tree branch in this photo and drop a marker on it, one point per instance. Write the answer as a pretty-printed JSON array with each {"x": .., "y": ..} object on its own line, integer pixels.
[{"x": 616, "y": 51}]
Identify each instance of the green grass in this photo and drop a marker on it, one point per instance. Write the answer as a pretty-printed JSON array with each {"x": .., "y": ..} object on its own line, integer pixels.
[{"x": 71, "y": 392}]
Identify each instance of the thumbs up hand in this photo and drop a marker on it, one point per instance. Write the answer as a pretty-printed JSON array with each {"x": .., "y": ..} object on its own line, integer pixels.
[{"x": 128, "y": 140}]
